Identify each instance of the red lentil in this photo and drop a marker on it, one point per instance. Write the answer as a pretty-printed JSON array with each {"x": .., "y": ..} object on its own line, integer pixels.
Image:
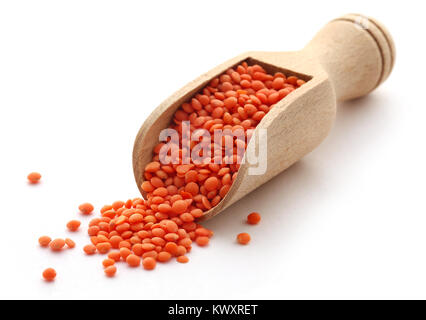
[
  {"x": 202, "y": 241},
  {"x": 103, "y": 247},
  {"x": 44, "y": 241},
  {"x": 86, "y": 208},
  {"x": 49, "y": 274},
  {"x": 108, "y": 262},
  {"x": 89, "y": 249},
  {"x": 114, "y": 255},
  {"x": 70, "y": 243},
  {"x": 57, "y": 244},
  {"x": 133, "y": 260},
  {"x": 34, "y": 177},
  {"x": 182, "y": 259},
  {"x": 253, "y": 218},
  {"x": 148, "y": 263},
  {"x": 73, "y": 225},
  {"x": 164, "y": 256},
  {"x": 110, "y": 271},
  {"x": 243, "y": 238},
  {"x": 125, "y": 252}
]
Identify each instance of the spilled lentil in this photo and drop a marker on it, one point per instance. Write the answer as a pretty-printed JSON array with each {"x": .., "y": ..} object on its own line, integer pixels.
[{"x": 162, "y": 227}]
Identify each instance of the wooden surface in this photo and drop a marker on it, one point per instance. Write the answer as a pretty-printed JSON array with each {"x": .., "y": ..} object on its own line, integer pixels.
[{"x": 347, "y": 59}]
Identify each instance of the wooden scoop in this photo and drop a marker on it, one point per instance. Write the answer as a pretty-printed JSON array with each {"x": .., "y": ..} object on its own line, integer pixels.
[{"x": 348, "y": 58}]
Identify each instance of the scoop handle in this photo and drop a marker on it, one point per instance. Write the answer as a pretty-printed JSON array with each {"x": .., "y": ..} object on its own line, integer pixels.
[{"x": 357, "y": 52}]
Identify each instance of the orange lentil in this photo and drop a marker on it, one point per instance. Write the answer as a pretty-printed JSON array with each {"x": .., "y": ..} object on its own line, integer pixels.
[
  {"x": 34, "y": 177},
  {"x": 49, "y": 274},
  {"x": 44, "y": 241},
  {"x": 292, "y": 80},
  {"x": 103, "y": 247},
  {"x": 158, "y": 241},
  {"x": 124, "y": 244},
  {"x": 147, "y": 186},
  {"x": 108, "y": 262},
  {"x": 114, "y": 255},
  {"x": 186, "y": 217},
  {"x": 171, "y": 226},
  {"x": 171, "y": 247},
  {"x": 70, "y": 243},
  {"x": 253, "y": 218},
  {"x": 138, "y": 249},
  {"x": 181, "y": 250},
  {"x": 94, "y": 222},
  {"x": 202, "y": 241},
  {"x": 211, "y": 183},
  {"x": 94, "y": 240},
  {"x": 89, "y": 249},
  {"x": 179, "y": 206},
  {"x": 148, "y": 263},
  {"x": 151, "y": 254},
  {"x": 73, "y": 225},
  {"x": 182, "y": 259},
  {"x": 202, "y": 232},
  {"x": 57, "y": 244},
  {"x": 115, "y": 241},
  {"x": 300, "y": 82},
  {"x": 243, "y": 238},
  {"x": 133, "y": 260},
  {"x": 101, "y": 238},
  {"x": 148, "y": 246},
  {"x": 103, "y": 209},
  {"x": 117, "y": 205},
  {"x": 125, "y": 252},
  {"x": 110, "y": 271},
  {"x": 158, "y": 232},
  {"x": 164, "y": 256},
  {"x": 86, "y": 208}
]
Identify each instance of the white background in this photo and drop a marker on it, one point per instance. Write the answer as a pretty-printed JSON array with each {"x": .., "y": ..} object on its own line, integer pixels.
[{"x": 78, "y": 78}]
